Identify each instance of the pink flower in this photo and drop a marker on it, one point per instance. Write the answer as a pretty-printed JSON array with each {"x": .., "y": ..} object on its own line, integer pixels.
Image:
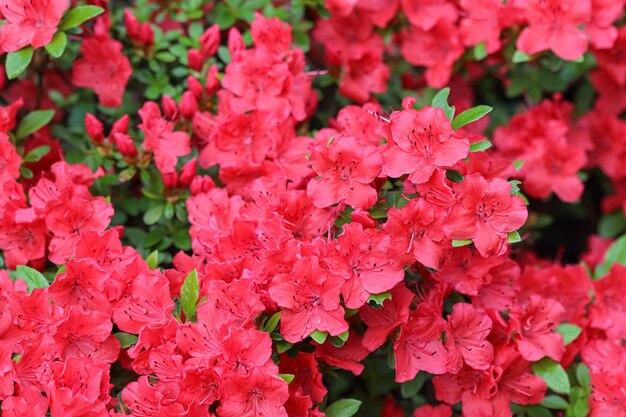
[
  {"x": 258, "y": 394},
  {"x": 534, "y": 328},
  {"x": 32, "y": 22},
  {"x": 486, "y": 213},
  {"x": 554, "y": 24},
  {"x": 310, "y": 300},
  {"x": 347, "y": 170},
  {"x": 103, "y": 68},
  {"x": 420, "y": 142}
]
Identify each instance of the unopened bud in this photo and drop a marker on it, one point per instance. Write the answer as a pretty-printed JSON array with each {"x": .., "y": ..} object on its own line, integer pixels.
[
  {"x": 94, "y": 129},
  {"x": 188, "y": 105},
  {"x": 125, "y": 145},
  {"x": 188, "y": 173},
  {"x": 210, "y": 41},
  {"x": 195, "y": 87},
  {"x": 195, "y": 59},
  {"x": 169, "y": 107}
]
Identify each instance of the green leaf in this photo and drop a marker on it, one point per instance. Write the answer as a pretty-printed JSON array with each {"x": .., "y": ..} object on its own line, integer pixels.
[
  {"x": 287, "y": 377},
  {"x": 470, "y": 115},
  {"x": 343, "y": 408},
  {"x": 459, "y": 243},
  {"x": 615, "y": 254},
  {"x": 224, "y": 54},
  {"x": 78, "y": 15},
  {"x": 36, "y": 154},
  {"x": 127, "y": 174},
  {"x": 189, "y": 293},
  {"x": 582, "y": 375},
  {"x": 378, "y": 299},
  {"x": 581, "y": 407},
  {"x": 555, "y": 402},
  {"x": 340, "y": 339},
  {"x": 612, "y": 224},
  {"x": 153, "y": 259},
  {"x": 454, "y": 176},
  {"x": 537, "y": 411},
  {"x": 153, "y": 215},
  {"x": 56, "y": 47},
  {"x": 32, "y": 122},
  {"x": 17, "y": 62},
  {"x": 518, "y": 164},
  {"x": 26, "y": 173},
  {"x": 272, "y": 323},
  {"x": 483, "y": 145},
  {"x": 569, "y": 332},
  {"x": 168, "y": 211},
  {"x": 282, "y": 346},
  {"x": 441, "y": 101},
  {"x": 514, "y": 237},
  {"x": 32, "y": 277},
  {"x": 553, "y": 374},
  {"x": 519, "y": 57},
  {"x": 126, "y": 339},
  {"x": 319, "y": 337},
  {"x": 480, "y": 51},
  {"x": 410, "y": 388}
]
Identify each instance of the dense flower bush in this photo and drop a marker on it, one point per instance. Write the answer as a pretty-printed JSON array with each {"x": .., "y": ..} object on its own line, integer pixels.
[{"x": 313, "y": 208}]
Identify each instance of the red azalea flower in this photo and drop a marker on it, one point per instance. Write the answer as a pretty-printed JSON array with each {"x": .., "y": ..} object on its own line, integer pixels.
[
  {"x": 347, "y": 357},
  {"x": 366, "y": 252},
  {"x": 418, "y": 347},
  {"x": 258, "y": 394},
  {"x": 103, "y": 68},
  {"x": 489, "y": 393},
  {"x": 347, "y": 170},
  {"x": 437, "y": 50},
  {"x": 420, "y": 142},
  {"x": 607, "y": 395},
  {"x": 7, "y": 116},
  {"x": 554, "y": 24},
  {"x": 441, "y": 410},
  {"x": 310, "y": 300},
  {"x": 10, "y": 161},
  {"x": 467, "y": 332},
  {"x": 307, "y": 375},
  {"x": 416, "y": 230},
  {"x": 425, "y": 14},
  {"x": 29, "y": 22},
  {"x": 383, "y": 321},
  {"x": 161, "y": 138},
  {"x": 534, "y": 328},
  {"x": 607, "y": 311},
  {"x": 80, "y": 388},
  {"x": 486, "y": 213}
]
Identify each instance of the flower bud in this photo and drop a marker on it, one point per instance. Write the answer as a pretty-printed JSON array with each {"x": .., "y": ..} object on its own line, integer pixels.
[
  {"x": 120, "y": 125},
  {"x": 170, "y": 180},
  {"x": 146, "y": 34},
  {"x": 210, "y": 41},
  {"x": 235, "y": 41},
  {"x": 188, "y": 105},
  {"x": 94, "y": 129},
  {"x": 125, "y": 145},
  {"x": 201, "y": 184},
  {"x": 195, "y": 60},
  {"x": 132, "y": 25},
  {"x": 212, "y": 82},
  {"x": 195, "y": 87},
  {"x": 188, "y": 173},
  {"x": 169, "y": 107}
]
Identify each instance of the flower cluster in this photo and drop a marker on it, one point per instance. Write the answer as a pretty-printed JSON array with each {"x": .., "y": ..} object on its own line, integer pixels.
[{"x": 264, "y": 209}]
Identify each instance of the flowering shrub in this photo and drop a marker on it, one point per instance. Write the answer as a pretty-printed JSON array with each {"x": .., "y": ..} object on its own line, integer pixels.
[{"x": 270, "y": 209}]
